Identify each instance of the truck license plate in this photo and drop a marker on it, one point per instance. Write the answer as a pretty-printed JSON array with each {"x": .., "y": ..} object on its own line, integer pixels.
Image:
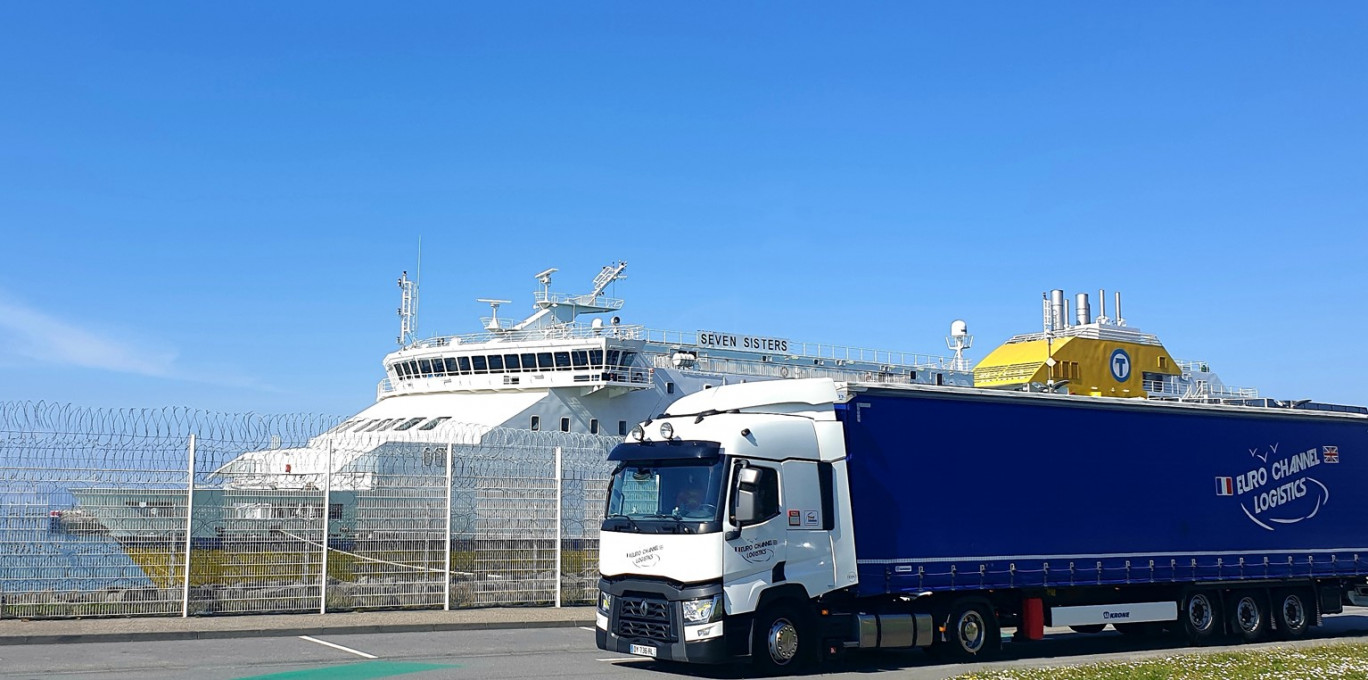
[{"x": 642, "y": 650}]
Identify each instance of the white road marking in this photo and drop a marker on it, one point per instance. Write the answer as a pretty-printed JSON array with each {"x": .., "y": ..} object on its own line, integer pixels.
[{"x": 334, "y": 646}]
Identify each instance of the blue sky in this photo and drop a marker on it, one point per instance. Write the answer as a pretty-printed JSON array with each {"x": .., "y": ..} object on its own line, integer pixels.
[{"x": 207, "y": 205}]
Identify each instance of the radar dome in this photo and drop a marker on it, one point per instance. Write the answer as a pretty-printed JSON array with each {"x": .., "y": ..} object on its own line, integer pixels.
[{"x": 958, "y": 328}]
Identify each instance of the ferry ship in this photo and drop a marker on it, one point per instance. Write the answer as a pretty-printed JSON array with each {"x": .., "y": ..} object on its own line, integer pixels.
[{"x": 552, "y": 375}]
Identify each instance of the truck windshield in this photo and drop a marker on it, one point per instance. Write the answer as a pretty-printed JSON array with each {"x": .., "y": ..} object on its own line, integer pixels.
[{"x": 648, "y": 492}]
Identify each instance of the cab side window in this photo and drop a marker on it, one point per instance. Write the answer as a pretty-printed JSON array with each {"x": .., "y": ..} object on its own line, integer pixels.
[{"x": 767, "y": 493}]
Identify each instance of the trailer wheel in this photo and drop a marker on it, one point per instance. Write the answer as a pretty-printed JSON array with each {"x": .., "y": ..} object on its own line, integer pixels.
[
  {"x": 1290, "y": 615},
  {"x": 971, "y": 631},
  {"x": 783, "y": 640},
  {"x": 1201, "y": 615},
  {"x": 1248, "y": 616}
]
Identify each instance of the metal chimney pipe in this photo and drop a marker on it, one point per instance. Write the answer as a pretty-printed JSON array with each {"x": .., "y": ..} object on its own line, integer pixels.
[
  {"x": 1119, "y": 320},
  {"x": 1083, "y": 309},
  {"x": 1058, "y": 317},
  {"x": 1102, "y": 304}
]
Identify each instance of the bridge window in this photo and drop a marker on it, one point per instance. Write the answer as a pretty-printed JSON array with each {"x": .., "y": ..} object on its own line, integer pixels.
[
  {"x": 379, "y": 425},
  {"x": 511, "y": 363},
  {"x": 613, "y": 357},
  {"x": 451, "y": 366},
  {"x": 464, "y": 363},
  {"x": 342, "y": 426},
  {"x": 544, "y": 361},
  {"x": 596, "y": 358},
  {"x": 481, "y": 366},
  {"x": 529, "y": 362},
  {"x": 413, "y": 368},
  {"x": 565, "y": 424},
  {"x": 562, "y": 361},
  {"x": 434, "y": 422},
  {"x": 580, "y": 358},
  {"x": 496, "y": 363},
  {"x": 628, "y": 358},
  {"x": 407, "y": 424},
  {"x": 424, "y": 366},
  {"x": 536, "y": 423}
]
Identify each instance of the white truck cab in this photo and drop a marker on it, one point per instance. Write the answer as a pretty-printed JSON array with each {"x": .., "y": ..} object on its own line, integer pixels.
[{"x": 723, "y": 522}]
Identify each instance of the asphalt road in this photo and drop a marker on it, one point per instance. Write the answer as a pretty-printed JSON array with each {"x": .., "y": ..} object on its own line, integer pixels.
[{"x": 523, "y": 653}]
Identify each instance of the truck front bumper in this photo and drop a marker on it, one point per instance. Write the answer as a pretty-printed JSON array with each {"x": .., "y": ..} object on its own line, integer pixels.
[
  {"x": 702, "y": 651},
  {"x": 646, "y": 620}
]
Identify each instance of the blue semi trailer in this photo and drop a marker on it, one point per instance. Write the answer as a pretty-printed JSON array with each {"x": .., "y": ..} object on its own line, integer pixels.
[{"x": 788, "y": 521}]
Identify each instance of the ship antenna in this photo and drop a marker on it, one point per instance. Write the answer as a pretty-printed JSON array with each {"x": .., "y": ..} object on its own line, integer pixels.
[{"x": 408, "y": 309}]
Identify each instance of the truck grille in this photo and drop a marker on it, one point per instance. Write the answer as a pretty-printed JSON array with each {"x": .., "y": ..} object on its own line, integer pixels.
[{"x": 645, "y": 617}]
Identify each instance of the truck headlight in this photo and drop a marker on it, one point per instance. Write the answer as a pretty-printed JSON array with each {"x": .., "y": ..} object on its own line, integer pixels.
[
  {"x": 702, "y": 611},
  {"x": 605, "y": 602}
]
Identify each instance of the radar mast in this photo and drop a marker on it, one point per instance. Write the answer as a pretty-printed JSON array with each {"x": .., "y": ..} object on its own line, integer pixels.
[{"x": 408, "y": 309}]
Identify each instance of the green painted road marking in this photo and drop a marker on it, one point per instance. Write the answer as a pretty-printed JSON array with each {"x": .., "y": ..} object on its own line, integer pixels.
[{"x": 356, "y": 671}]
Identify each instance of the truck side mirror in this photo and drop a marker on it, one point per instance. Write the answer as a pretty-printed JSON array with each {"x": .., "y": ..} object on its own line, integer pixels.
[
  {"x": 746, "y": 509},
  {"x": 745, "y": 504}
]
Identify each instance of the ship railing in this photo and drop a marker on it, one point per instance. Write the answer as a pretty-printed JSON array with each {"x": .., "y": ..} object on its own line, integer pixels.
[
  {"x": 688, "y": 340},
  {"x": 734, "y": 366},
  {"x": 1193, "y": 366},
  {"x": 572, "y": 331},
  {"x": 585, "y": 300},
  {"x": 1200, "y": 389},
  {"x": 1092, "y": 332}
]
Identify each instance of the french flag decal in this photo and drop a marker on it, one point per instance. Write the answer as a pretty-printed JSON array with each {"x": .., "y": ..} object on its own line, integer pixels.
[{"x": 1225, "y": 486}]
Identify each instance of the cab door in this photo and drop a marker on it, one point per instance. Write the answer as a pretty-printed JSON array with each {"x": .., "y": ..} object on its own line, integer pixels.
[{"x": 760, "y": 543}]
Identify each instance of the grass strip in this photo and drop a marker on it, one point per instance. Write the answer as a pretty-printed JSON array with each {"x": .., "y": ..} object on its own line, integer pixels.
[{"x": 1319, "y": 662}]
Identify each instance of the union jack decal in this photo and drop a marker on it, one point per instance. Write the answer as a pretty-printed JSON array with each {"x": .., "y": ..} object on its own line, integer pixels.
[{"x": 1331, "y": 454}]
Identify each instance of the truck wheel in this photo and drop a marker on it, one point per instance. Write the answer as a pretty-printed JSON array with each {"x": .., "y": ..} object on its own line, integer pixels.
[
  {"x": 1248, "y": 616},
  {"x": 971, "y": 631},
  {"x": 783, "y": 642},
  {"x": 1201, "y": 616},
  {"x": 1290, "y": 615}
]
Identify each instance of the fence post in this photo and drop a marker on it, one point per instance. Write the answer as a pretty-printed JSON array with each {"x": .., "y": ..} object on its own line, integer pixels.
[
  {"x": 189, "y": 527},
  {"x": 446, "y": 562},
  {"x": 327, "y": 513},
  {"x": 559, "y": 494}
]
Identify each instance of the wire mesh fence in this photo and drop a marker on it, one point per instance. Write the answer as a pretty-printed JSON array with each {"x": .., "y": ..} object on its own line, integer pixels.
[{"x": 184, "y": 512}]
